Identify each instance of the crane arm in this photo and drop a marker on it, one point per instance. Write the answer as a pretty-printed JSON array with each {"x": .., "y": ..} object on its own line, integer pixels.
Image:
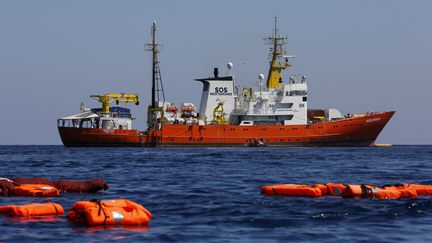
[{"x": 106, "y": 99}]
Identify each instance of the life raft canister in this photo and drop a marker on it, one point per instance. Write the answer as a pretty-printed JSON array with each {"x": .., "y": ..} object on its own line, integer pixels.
[
  {"x": 35, "y": 190},
  {"x": 109, "y": 212},
  {"x": 33, "y": 209},
  {"x": 293, "y": 190}
]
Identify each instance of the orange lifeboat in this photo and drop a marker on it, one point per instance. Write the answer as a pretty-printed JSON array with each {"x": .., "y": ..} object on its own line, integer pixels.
[
  {"x": 33, "y": 209},
  {"x": 35, "y": 190},
  {"x": 171, "y": 108},
  {"x": 293, "y": 190},
  {"x": 109, "y": 212}
]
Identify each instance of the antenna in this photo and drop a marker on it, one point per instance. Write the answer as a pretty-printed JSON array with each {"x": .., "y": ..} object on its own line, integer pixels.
[
  {"x": 230, "y": 67},
  {"x": 260, "y": 83},
  {"x": 277, "y": 53},
  {"x": 157, "y": 85}
]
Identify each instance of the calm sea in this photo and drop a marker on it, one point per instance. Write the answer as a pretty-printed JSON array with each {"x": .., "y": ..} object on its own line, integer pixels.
[{"x": 213, "y": 194}]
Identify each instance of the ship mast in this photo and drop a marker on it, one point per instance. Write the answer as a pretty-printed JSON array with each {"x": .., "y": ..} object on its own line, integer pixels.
[
  {"x": 277, "y": 42},
  {"x": 157, "y": 85}
]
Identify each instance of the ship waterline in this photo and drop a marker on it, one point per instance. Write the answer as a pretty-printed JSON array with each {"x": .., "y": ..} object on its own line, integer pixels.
[{"x": 355, "y": 131}]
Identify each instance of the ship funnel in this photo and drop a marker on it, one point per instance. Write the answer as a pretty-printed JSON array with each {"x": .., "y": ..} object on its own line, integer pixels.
[{"x": 216, "y": 72}]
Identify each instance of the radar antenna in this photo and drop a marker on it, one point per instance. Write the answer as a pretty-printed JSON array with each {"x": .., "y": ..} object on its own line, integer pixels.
[
  {"x": 157, "y": 85},
  {"x": 276, "y": 42}
]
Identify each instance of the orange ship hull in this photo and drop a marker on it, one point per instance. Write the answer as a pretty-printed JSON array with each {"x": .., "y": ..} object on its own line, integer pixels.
[{"x": 354, "y": 131}]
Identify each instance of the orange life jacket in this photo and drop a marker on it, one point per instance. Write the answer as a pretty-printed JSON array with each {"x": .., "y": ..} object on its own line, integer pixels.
[
  {"x": 109, "y": 212},
  {"x": 35, "y": 190},
  {"x": 293, "y": 190},
  {"x": 33, "y": 209}
]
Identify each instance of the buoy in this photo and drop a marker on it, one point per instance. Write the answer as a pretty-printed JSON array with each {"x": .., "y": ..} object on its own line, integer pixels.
[
  {"x": 109, "y": 212},
  {"x": 292, "y": 190},
  {"x": 33, "y": 209},
  {"x": 35, "y": 190}
]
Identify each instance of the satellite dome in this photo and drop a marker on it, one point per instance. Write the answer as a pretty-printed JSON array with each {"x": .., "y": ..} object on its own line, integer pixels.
[
  {"x": 261, "y": 76},
  {"x": 229, "y": 65}
]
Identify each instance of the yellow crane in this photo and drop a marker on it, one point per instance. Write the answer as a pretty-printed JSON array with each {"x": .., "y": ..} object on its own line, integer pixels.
[
  {"x": 106, "y": 99},
  {"x": 219, "y": 115}
]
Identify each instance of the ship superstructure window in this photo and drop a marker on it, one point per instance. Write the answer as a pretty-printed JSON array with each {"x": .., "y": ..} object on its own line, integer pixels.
[
  {"x": 296, "y": 93},
  {"x": 301, "y": 105},
  {"x": 305, "y": 98},
  {"x": 288, "y": 117},
  {"x": 284, "y": 105}
]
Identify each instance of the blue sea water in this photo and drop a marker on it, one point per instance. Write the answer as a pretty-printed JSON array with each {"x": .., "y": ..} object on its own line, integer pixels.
[{"x": 213, "y": 194}]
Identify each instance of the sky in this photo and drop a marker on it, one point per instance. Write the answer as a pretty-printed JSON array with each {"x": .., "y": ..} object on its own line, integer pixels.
[{"x": 358, "y": 56}]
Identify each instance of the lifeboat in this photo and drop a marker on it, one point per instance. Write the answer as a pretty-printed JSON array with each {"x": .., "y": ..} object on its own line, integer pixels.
[
  {"x": 35, "y": 190},
  {"x": 171, "y": 108},
  {"x": 109, "y": 212},
  {"x": 293, "y": 190},
  {"x": 33, "y": 209}
]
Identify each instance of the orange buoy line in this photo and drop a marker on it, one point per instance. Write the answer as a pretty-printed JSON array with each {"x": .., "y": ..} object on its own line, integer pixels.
[
  {"x": 33, "y": 209},
  {"x": 109, "y": 212},
  {"x": 35, "y": 190},
  {"x": 348, "y": 191},
  {"x": 42, "y": 187}
]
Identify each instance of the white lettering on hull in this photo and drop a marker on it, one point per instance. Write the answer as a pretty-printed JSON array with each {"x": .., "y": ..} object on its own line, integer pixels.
[{"x": 373, "y": 120}]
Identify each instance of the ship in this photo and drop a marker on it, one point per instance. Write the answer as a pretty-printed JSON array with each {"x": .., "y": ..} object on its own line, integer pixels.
[{"x": 274, "y": 114}]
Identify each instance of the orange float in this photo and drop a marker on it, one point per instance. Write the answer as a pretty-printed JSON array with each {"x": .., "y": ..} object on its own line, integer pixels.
[
  {"x": 109, "y": 212},
  {"x": 293, "y": 190},
  {"x": 335, "y": 189},
  {"x": 33, "y": 209},
  {"x": 406, "y": 191},
  {"x": 35, "y": 190},
  {"x": 369, "y": 191},
  {"x": 348, "y": 191},
  {"x": 422, "y": 190}
]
